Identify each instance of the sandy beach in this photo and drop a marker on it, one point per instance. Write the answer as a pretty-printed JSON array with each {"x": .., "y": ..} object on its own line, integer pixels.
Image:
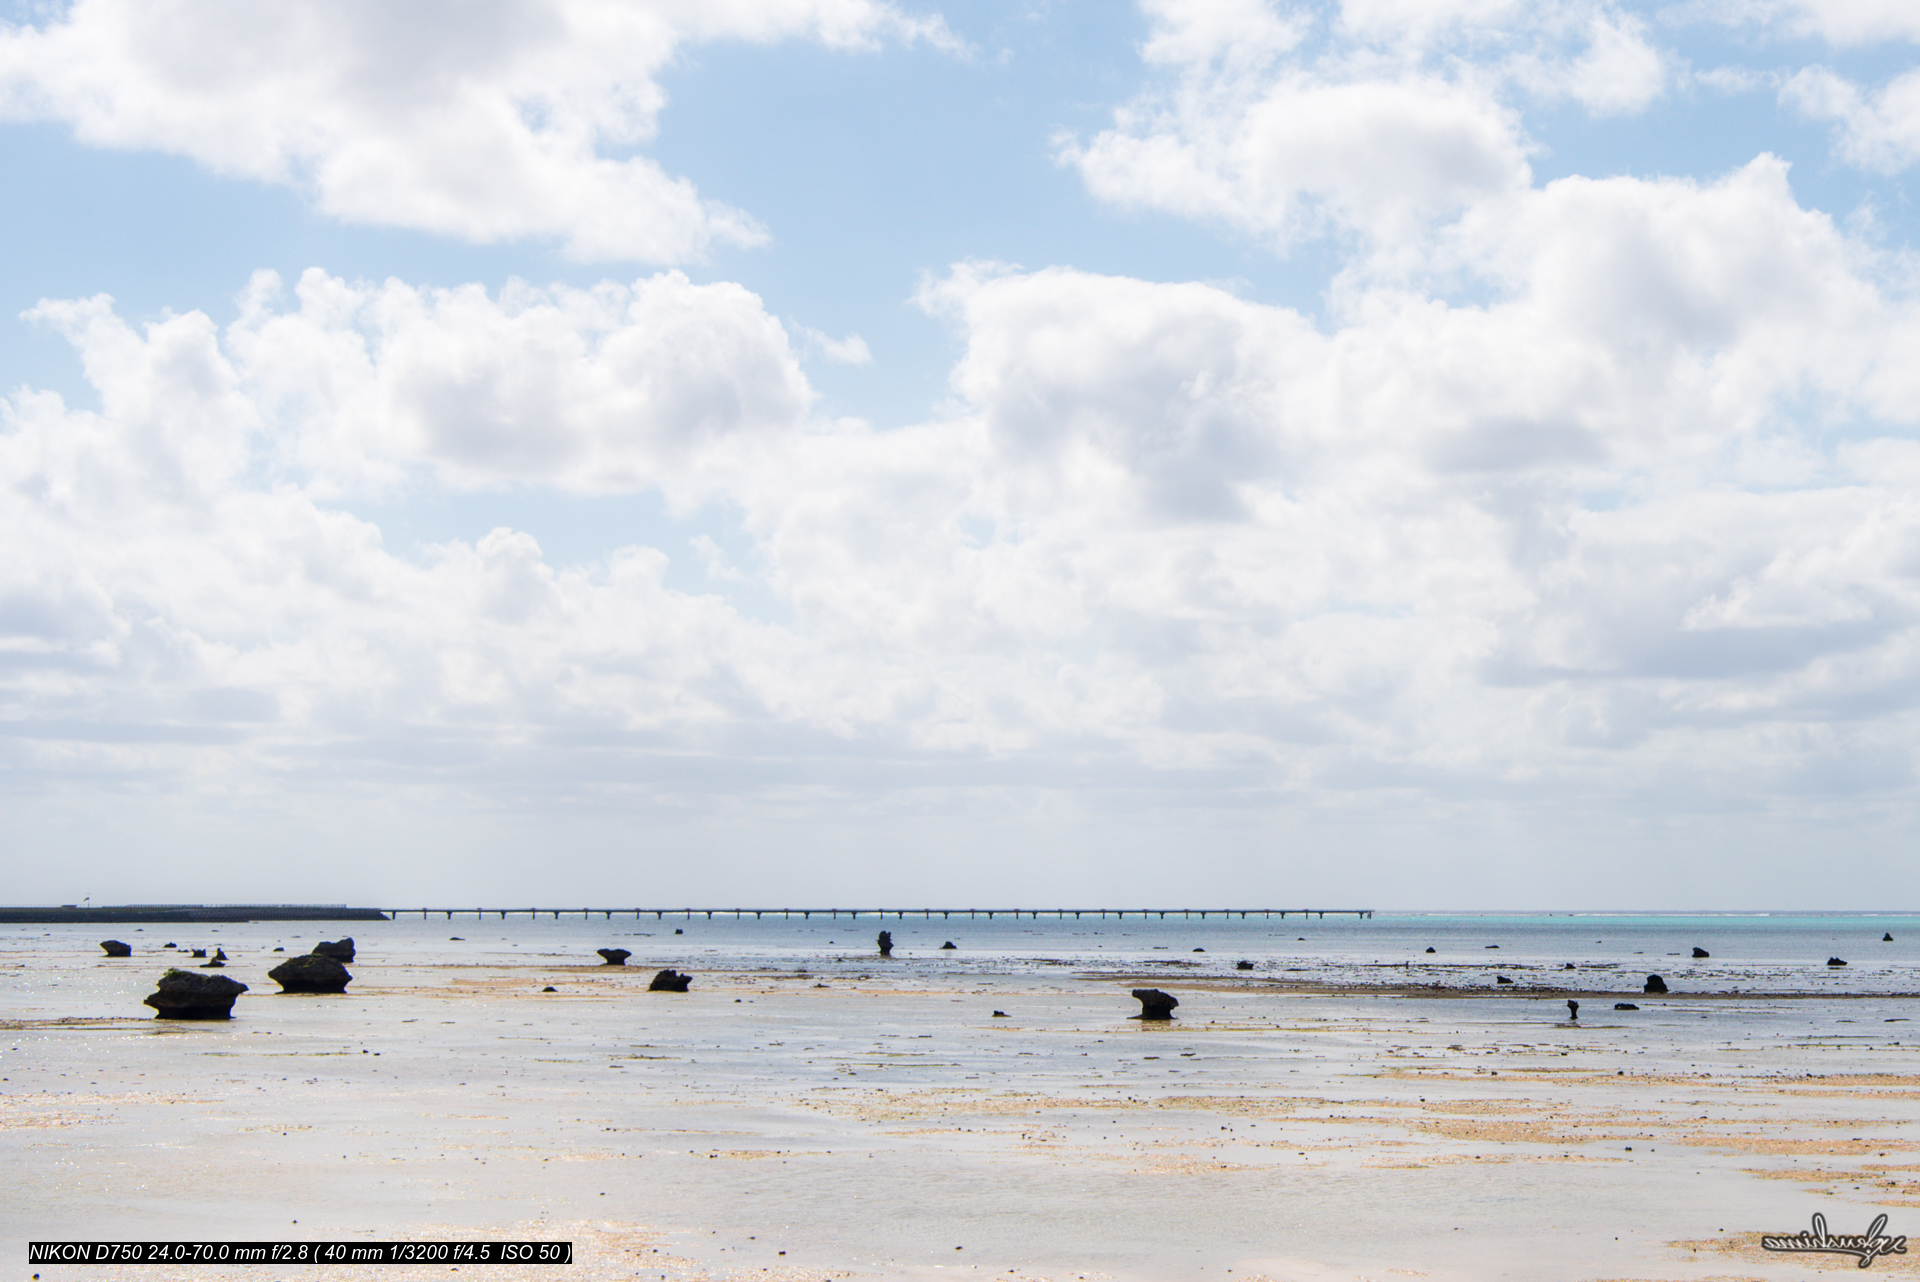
[{"x": 871, "y": 1120}]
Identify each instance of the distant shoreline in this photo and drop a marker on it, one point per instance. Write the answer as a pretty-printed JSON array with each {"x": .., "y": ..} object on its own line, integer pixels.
[{"x": 134, "y": 914}]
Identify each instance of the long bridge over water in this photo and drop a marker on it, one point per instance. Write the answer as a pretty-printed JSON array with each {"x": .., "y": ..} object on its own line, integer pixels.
[
  {"x": 128, "y": 914},
  {"x": 854, "y": 914}
]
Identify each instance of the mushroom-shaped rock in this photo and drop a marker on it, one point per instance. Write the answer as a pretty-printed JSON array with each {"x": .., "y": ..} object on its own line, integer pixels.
[
  {"x": 185, "y": 995},
  {"x": 115, "y": 948},
  {"x": 1698, "y": 953},
  {"x": 310, "y": 973},
  {"x": 1655, "y": 984},
  {"x": 886, "y": 943},
  {"x": 1155, "y": 1004},
  {"x": 341, "y": 950},
  {"x": 1625, "y": 1006},
  {"x": 614, "y": 956},
  {"x": 669, "y": 981},
  {"x": 1573, "y": 1009},
  {"x": 1835, "y": 961},
  {"x": 944, "y": 947}
]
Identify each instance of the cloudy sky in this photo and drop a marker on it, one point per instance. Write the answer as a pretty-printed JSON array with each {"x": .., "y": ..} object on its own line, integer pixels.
[{"x": 1384, "y": 453}]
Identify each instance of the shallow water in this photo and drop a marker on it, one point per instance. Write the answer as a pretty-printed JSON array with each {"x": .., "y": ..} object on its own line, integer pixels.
[{"x": 1749, "y": 954}]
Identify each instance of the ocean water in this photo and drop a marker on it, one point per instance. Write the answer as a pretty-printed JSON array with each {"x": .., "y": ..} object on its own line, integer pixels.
[{"x": 1750, "y": 954}]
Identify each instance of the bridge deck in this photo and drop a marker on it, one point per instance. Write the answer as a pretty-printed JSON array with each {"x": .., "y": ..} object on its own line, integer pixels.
[{"x": 834, "y": 914}]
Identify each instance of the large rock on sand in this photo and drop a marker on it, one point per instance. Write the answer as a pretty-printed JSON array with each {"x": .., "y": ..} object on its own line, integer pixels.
[
  {"x": 886, "y": 943},
  {"x": 116, "y": 949},
  {"x": 185, "y": 995},
  {"x": 669, "y": 981},
  {"x": 1155, "y": 1004},
  {"x": 310, "y": 974},
  {"x": 340, "y": 950},
  {"x": 1655, "y": 984},
  {"x": 614, "y": 956}
]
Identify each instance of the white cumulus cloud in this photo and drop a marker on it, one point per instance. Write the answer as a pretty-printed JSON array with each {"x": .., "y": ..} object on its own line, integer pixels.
[
  {"x": 1878, "y": 130},
  {"x": 360, "y": 387},
  {"x": 1636, "y": 519},
  {"x": 487, "y": 121},
  {"x": 1380, "y": 117}
]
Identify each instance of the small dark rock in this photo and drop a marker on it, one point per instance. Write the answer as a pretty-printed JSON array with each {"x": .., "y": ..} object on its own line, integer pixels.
[
  {"x": 1000, "y": 1014},
  {"x": 185, "y": 995},
  {"x": 947, "y": 945},
  {"x": 1493, "y": 945},
  {"x": 614, "y": 956},
  {"x": 1567, "y": 966},
  {"x": 310, "y": 973},
  {"x": 1655, "y": 984},
  {"x": 678, "y": 931},
  {"x": 1625, "y": 1006},
  {"x": 1573, "y": 1009},
  {"x": 1243, "y": 965},
  {"x": 215, "y": 964},
  {"x": 279, "y": 950},
  {"x": 1835, "y": 961},
  {"x": 171, "y": 944},
  {"x": 669, "y": 981},
  {"x": 220, "y": 954},
  {"x": 1432, "y": 950},
  {"x": 1701, "y": 952},
  {"x": 116, "y": 949},
  {"x": 456, "y": 939},
  {"x": 1155, "y": 1004},
  {"x": 886, "y": 943},
  {"x": 1501, "y": 979},
  {"x": 199, "y": 952},
  {"x": 341, "y": 950},
  {"x": 1887, "y": 938},
  {"x": 549, "y": 989}
]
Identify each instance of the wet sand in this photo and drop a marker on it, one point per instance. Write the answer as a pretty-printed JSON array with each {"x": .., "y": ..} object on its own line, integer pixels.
[{"x": 882, "y": 1123}]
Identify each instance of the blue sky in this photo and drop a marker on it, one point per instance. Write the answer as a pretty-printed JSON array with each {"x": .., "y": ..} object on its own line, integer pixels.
[{"x": 1449, "y": 453}]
